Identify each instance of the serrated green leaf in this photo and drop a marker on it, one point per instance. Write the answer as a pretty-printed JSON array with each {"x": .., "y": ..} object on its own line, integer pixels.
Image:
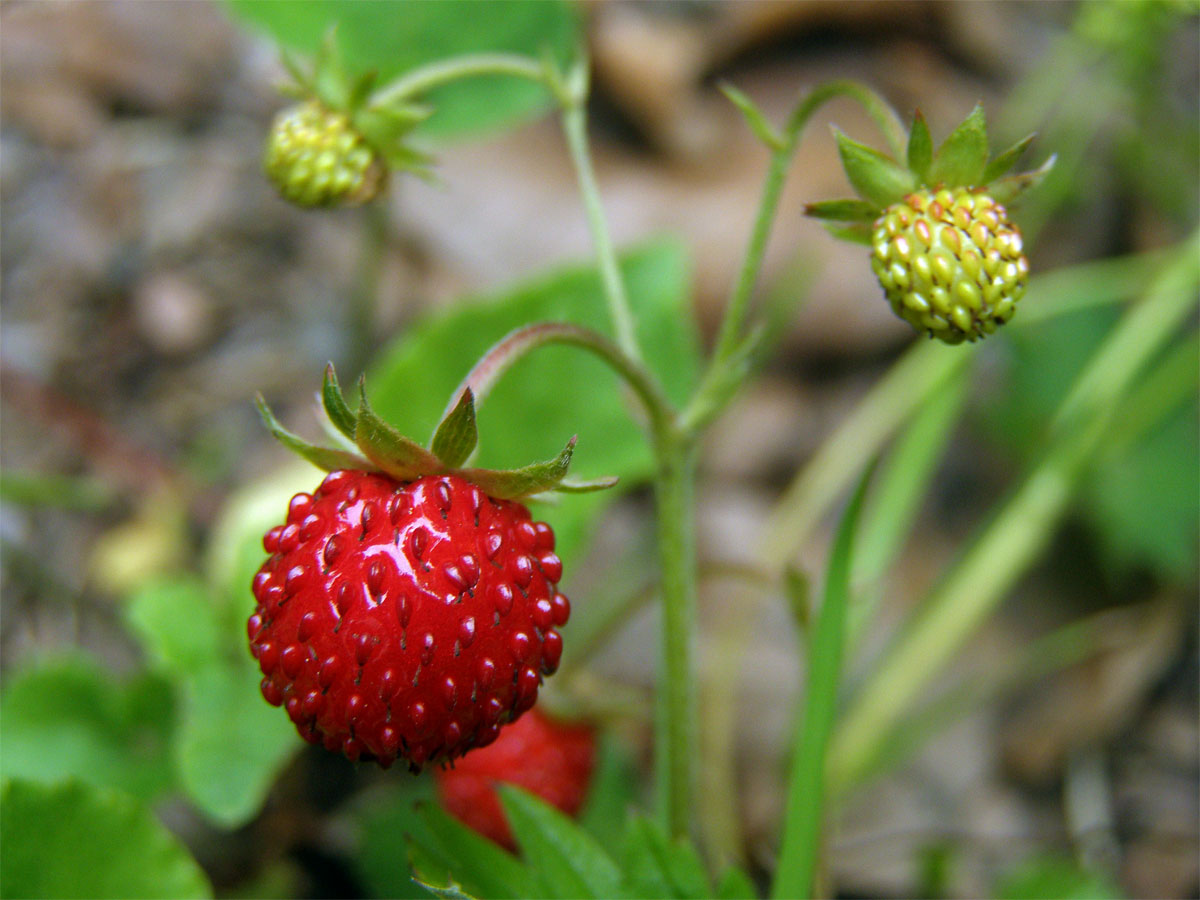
[
  {"x": 513, "y": 484},
  {"x": 69, "y": 717},
  {"x": 961, "y": 159},
  {"x": 1008, "y": 188},
  {"x": 920, "y": 147},
  {"x": 851, "y": 210},
  {"x": 326, "y": 458},
  {"x": 396, "y": 36},
  {"x": 872, "y": 174},
  {"x": 388, "y": 449},
  {"x": 339, "y": 412},
  {"x": 754, "y": 117},
  {"x": 735, "y": 884},
  {"x": 1007, "y": 159},
  {"x": 457, "y": 435},
  {"x": 569, "y": 862},
  {"x": 475, "y": 863},
  {"x": 76, "y": 840}
]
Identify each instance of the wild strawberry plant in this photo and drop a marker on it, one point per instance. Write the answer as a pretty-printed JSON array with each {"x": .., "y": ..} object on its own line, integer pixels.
[{"x": 408, "y": 609}]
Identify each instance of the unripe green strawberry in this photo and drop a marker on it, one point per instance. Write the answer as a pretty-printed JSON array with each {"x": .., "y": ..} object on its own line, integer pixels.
[
  {"x": 316, "y": 157},
  {"x": 950, "y": 263}
]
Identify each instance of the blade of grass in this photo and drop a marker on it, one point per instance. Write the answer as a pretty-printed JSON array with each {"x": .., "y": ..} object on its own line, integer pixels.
[{"x": 805, "y": 804}]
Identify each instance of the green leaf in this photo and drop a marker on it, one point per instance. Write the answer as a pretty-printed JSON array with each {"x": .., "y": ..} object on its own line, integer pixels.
[
  {"x": 611, "y": 794},
  {"x": 392, "y": 452},
  {"x": 512, "y": 484},
  {"x": 339, "y": 412},
  {"x": 920, "y": 148},
  {"x": 231, "y": 743},
  {"x": 322, "y": 457},
  {"x": 656, "y": 866},
  {"x": 70, "y": 717},
  {"x": 754, "y": 117},
  {"x": 1055, "y": 878},
  {"x": 806, "y": 787},
  {"x": 386, "y": 823},
  {"x": 735, "y": 884},
  {"x": 556, "y": 391},
  {"x": 456, "y": 436},
  {"x": 961, "y": 159},
  {"x": 569, "y": 862},
  {"x": 77, "y": 840},
  {"x": 1007, "y": 159},
  {"x": 853, "y": 210},
  {"x": 478, "y": 865},
  {"x": 396, "y": 36},
  {"x": 874, "y": 176}
]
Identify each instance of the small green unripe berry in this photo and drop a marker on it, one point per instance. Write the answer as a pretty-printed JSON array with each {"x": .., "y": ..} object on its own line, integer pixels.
[
  {"x": 315, "y": 157},
  {"x": 950, "y": 263}
]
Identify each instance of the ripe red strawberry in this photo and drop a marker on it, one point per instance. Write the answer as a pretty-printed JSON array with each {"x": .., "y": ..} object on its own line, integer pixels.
[
  {"x": 411, "y": 611},
  {"x": 551, "y": 759}
]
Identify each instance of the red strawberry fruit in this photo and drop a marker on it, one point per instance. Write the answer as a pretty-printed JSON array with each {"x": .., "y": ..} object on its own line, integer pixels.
[
  {"x": 411, "y": 611},
  {"x": 548, "y": 758}
]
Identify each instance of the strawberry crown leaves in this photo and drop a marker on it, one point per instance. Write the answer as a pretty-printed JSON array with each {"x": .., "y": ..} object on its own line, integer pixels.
[
  {"x": 381, "y": 448},
  {"x": 961, "y": 161}
]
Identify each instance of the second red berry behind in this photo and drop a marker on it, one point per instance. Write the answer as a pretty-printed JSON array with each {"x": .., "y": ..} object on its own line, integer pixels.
[{"x": 406, "y": 620}]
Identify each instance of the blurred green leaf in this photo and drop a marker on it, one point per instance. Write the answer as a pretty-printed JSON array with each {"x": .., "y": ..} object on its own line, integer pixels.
[
  {"x": 1055, "y": 878},
  {"x": 735, "y": 884},
  {"x": 70, "y": 717},
  {"x": 77, "y": 840},
  {"x": 557, "y": 391},
  {"x": 396, "y": 36},
  {"x": 231, "y": 743},
  {"x": 384, "y": 822},
  {"x": 613, "y": 792},
  {"x": 480, "y": 867},
  {"x": 659, "y": 867},
  {"x": 567, "y": 861}
]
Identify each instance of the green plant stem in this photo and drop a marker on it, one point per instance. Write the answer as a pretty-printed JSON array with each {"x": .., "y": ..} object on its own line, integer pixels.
[
  {"x": 424, "y": 79},
  {"x": 1012, "y": 541},
  {"x": 676, "y": 706},
  {"x": 575, "y": 128}
]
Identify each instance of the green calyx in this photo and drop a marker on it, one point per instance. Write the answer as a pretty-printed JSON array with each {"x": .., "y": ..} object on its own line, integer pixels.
[
  {"x": 948, "y": 258},
  {"x": 337, "y": 146},
  {"x": 375, "y": 446}
]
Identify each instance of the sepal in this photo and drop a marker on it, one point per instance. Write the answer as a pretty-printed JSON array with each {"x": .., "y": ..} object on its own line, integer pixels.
[
  {"x": 513, "y": 484},
  {"x": 855, "y": 233},
  {"x": 851, "y": 210},
  {"x": 763, "y": 130},
  {"x": 874, "y": 176},
  {"x": 393, "y": 453},
  {"x": 457, "y": 435},
  {"x": 326, "y": 458},
  {"x": 336, "y": 408},
  {"x": 920, "y": 148},
  {"x": 962, "y": 158},
  {"x": 1005, "y": 190},
  {"x": 1006, "y": 160}
]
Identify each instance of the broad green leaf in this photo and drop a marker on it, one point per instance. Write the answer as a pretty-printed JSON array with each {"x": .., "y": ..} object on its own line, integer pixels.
[
  {"x": 1055, "y": 878},
  {"x": 176, "y": 623},
  {"x": 76, "y": 840},
  {"x": 920, "y": 148},
  {"x": 961, "y": 159},
  {"x": 567, "y": 860},
  {"x": 481, "y": 867},
  {"x": 843, "y": 210},
  {"x": 735, "y": 884},
  {"x": 457, "y": 435},
  {"x": 386, "y": 822},
  {"x": 874, "y": 176},
  {"x": 393, "y": 37},
  {"x": 70, "y": 717},
  {"x": 556, "y": 391}
]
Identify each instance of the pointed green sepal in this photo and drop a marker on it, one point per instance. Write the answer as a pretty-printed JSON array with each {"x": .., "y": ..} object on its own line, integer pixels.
[
  {"x": 388, "y": 449},
  {"x": 457, "y": 434},
  {"x": 961, "y": 159},
  {"x": 336, "y": 408},
  {"x": 874, "y": 176},
  {"x": 513, "y": 484},
  {"x": 852, "y": 210},
  {"x": 856, "y": 233},
  {"x": 1005, "y": 190},
  {"x": 1006, "y": 160},
  {"x": 920, "y": 147},
  {"x": 330, "y": 82},
  {"x": 586, "y": 486},
  {"x": 360, "y": 90},
  {"x": 321, "y": 457},
  {"x": 296, "y": 69},
  {"x": 763, "y": 130}
]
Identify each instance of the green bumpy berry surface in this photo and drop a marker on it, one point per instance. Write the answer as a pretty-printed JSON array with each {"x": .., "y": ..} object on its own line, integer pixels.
[
  {"x": 950, "y": 263},
  {"x": 315, "y": 157}
]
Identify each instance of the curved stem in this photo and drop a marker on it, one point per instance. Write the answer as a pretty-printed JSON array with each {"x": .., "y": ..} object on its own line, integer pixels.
[
  {"x": 575, "y": 129},
  {"x": 426, "y": 78},
  {"x": 518, "y": 343}
]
